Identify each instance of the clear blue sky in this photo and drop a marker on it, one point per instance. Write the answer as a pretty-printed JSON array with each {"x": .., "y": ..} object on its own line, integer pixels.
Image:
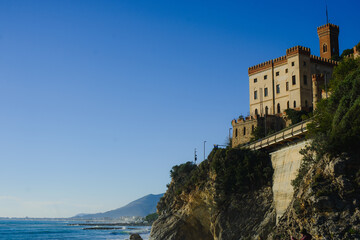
[{"x": 99, "y": 99}]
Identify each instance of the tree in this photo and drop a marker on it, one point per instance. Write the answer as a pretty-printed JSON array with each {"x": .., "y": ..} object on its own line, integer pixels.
[{"x": 337, "y": 118}]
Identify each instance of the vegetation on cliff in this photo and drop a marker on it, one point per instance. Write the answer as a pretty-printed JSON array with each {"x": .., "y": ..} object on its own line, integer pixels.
[
  {"x": 335, "y": 129},
  {"x": 236, "y": 170}
]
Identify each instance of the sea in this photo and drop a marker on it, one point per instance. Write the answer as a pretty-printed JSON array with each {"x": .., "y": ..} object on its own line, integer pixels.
[{"x": 12, "y": 229}]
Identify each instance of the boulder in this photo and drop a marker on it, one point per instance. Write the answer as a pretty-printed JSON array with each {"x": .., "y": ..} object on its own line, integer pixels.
[{"x": 135, "y": 236}]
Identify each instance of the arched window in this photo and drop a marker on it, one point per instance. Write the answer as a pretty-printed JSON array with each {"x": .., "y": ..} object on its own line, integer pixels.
[
  {"x": 288, "y": 105},
  {"x": 266, "y": 110},
  {"x": 252, "y": 128},
  {"x": 236, "y": 133},
  {"x": 324, "y": 47},
  {"x": 294, "y": 104},
  {"x": 278, "y": 108},
  {"x": 256, "y": 112},
  {"x": 306, "y": 103},
  {"x": 244, "y": 130}
]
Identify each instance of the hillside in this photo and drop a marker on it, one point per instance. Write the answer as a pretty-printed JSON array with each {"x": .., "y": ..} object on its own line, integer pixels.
[{"x": 140, "y": 207}]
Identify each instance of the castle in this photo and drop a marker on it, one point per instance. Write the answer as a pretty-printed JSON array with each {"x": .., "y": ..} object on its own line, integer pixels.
[{"x": 296, "y": 80}]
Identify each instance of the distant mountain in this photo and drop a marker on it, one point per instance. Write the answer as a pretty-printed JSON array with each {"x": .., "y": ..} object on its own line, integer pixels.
[{"x": 140, "y": 207}]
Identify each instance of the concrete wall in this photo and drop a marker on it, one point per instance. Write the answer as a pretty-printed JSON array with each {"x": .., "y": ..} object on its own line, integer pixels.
[{"x": 286, "y": 163}]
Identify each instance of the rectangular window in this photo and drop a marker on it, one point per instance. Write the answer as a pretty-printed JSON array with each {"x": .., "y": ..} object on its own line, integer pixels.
[
  {"x": 304, "y": 63},
  {"x": 293, "y": 80},
  {"x": 277, "y": 73},
  {"x": 292, "y": 63},
  {"x": 265, "y": 92},
  {"x": 305, "y": 80},
  {"x": 278, "y": 88},
  {"x": 255, "y": 94},
  {"x": 265, "y": 77},
  {"x": 287, "y": 86},
  {"x": 286, "y": 70},
  {"x": 255, "y": 80}
]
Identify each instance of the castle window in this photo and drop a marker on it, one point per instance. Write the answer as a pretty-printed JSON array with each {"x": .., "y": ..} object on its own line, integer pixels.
[
  {"x": 265, "y": 92},
  {"x": 306, "y": 103},
  {"x": 265, "y": 77},
  {"x": 304, "y": 63},
  {"x": 277, "y": 73},
  {"x": 286, "y": 70},
  {"x": 244, "y": 130},
  {"x": 255, "y": 80},
  {"x": 294, "y": 104},
  {"x": 255, "y": 94},
  {"x": 293, "y": 80},
  {"x": 305, "y": 80},
  {"x": 324, "y": 47},
  {"x": 256, "y": 112},
  {"x": 252, "y": 128},
  {"x": 292, "y": 63},
  {"x": 278, "y": 108},
  {"x": 288, "y": 105},
  {"x": 287, "y": 86},
  {"x": 236, "y": 133},
  {"x": 277, "y": 88},
  {"x": 266, "y": 110}
]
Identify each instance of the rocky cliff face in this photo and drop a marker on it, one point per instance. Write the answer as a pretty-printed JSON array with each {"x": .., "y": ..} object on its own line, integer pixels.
[
  {"x": 203, "y": 211},
  {"x": 197, "y": 216},
  {"x": 326, "y": 203}
]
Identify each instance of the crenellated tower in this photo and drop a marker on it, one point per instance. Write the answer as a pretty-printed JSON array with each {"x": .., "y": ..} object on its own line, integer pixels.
[{"x": 329, "y": 40}]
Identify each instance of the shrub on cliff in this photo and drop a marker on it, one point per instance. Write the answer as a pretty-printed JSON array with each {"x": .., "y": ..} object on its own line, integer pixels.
[{"x": 239, "y": 170}]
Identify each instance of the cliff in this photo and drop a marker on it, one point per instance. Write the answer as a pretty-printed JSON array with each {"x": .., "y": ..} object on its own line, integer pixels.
[
  {"x": 206, "y": 204},
  {"x": 326, "y": 202}
]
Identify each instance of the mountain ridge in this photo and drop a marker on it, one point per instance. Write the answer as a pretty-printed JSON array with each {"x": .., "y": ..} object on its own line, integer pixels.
[{"x": 140, "y": 208}]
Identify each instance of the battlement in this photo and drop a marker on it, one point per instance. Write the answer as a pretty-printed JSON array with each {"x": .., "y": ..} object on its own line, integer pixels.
[
  {"x": 298, "y": 49},
  {"x": 260, "y": 67},
  {"x": 280, "y": 60},
  {"x": 327, "y": 26},
  {"x": 322, "y": 60}
]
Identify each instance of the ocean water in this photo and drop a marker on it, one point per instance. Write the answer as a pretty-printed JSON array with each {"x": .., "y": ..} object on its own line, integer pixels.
[{"x": 62, "y": 229}]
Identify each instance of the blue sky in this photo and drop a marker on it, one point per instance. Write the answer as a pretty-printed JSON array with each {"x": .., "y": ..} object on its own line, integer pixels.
[{"x": 99, "y": 99}]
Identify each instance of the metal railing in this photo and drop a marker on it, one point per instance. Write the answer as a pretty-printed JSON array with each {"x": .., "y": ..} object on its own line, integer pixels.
[{"x": 287, "y": 133}]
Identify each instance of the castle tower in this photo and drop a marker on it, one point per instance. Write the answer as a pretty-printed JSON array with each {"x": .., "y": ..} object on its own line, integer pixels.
[{"x": 329, "y": 40}]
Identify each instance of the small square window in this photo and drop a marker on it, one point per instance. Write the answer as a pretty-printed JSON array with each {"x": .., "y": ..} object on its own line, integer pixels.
[
  {"x": 292, "y": 63},
  {"x": 265, "y": 77},
  {"x": 255, "y": 80},
  {"x": 293, "y": 80},
  {"x": 278, "y": 88},
  {"x": 287, "y": 86},
  {"x": 277, "y": 73},
  {"x": 286, "y": 70},
  {"x": 265, "y": 92},
  {"x": 255, "y": 94}
]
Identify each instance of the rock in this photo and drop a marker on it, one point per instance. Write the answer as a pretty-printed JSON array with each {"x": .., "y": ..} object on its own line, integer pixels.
[
  {"x": 336, "y": 167},
  {"x": 135, "y": 236},
  {"x": 324, "y": 204}
]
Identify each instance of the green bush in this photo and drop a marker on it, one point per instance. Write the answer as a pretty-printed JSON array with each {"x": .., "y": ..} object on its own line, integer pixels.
[
  {"x": 239, "y": 170},
  {"x": 151, "y": 217}
]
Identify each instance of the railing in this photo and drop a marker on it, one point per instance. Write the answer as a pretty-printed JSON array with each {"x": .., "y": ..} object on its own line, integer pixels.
[{"x": 287, "y": 133}]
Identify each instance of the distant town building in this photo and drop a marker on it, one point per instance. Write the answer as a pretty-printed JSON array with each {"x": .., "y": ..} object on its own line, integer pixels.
[{"x": 296, "y": 80}]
